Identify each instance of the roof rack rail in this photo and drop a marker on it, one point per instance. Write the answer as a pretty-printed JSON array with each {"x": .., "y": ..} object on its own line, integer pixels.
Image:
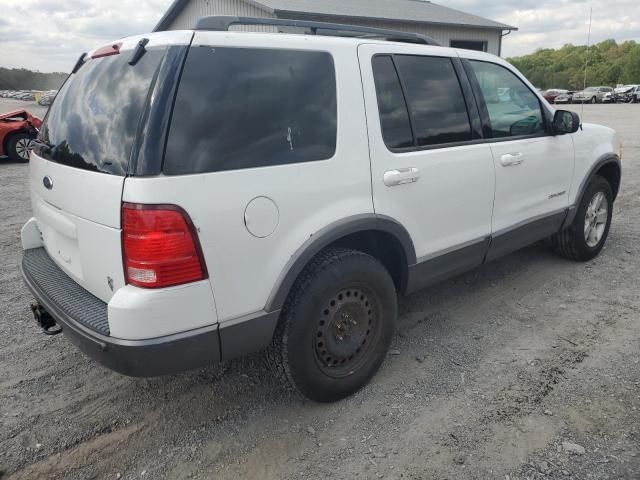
[{"x": 223, "y": 23}]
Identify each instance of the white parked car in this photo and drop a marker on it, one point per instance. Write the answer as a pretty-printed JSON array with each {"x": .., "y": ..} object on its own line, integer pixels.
[{"x": 243, "y": 191}]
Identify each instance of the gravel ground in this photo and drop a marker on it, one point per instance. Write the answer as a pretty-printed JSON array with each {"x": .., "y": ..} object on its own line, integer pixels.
[{"x": 527, "y": 368}]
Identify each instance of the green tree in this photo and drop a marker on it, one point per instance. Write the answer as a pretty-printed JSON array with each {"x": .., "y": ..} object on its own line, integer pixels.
[
  {"x": 22, "y": 79},
  {"x": 607, "y": 63}
]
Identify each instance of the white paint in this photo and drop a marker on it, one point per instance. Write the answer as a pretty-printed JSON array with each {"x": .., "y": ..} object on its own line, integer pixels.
[
  {"x": 244, "y": 269},
  {"x": 448, "y": 204},
  {"x": 79, "y": 219},
  {"x": 138, "y": 313},
  {"x": 546, "y": 164},
  {"x": 30, "y": 235},
  {"x": 451, "y": 203}
]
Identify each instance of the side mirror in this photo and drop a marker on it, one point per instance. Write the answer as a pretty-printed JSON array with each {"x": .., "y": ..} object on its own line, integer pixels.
[{"x": 565, "y": 122}]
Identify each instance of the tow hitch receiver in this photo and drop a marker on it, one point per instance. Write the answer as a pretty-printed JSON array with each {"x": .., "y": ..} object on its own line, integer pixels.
[{"x": 45, "y": 320}]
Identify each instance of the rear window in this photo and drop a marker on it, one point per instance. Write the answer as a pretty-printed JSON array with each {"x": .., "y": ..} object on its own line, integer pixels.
[
  {"x": 394, "y": 115},
  {"x": 94, "y": 119},
  {"x": 240, "y": 108},
  {"x": 436, "y": 112},
  {"x": 435, "y": 99}
]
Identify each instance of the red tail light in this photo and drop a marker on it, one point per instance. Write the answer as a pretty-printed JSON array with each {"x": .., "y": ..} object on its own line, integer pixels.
[{"x": 160, "y": 246}]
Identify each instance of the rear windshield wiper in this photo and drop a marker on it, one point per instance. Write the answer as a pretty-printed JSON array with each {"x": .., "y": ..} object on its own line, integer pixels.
[
  {"x": 139, "y": 52},
  {"x": 79, "y": 63}
]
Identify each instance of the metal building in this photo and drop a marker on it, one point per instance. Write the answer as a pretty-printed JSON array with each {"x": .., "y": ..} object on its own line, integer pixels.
[{"x": 447, "y": 26}]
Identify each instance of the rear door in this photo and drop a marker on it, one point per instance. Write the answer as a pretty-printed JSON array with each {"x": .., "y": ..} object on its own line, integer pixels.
[
  {"x": 430, "y": 169},
  {"x": 78, "y": 173}
]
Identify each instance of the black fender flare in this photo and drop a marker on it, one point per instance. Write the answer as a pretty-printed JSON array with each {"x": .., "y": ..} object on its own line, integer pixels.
[
  {"x": 325, "y": 237},
  {"x": 603, "y": 160}
]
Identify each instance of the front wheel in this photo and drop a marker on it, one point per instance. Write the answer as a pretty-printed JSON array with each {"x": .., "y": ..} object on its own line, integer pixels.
[
  {"x": 19, "y": 147},
  {"x": 585, "y": 237},
  {"x": 336, "y": 326}
]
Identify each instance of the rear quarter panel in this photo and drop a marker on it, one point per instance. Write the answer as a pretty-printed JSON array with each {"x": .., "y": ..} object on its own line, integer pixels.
[{"x": 245, "y": 269}]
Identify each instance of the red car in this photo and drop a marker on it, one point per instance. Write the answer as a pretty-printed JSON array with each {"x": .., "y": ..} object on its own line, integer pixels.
[
  {"x": 18, "y": 130},
  {"x": 550, "y": 95}
]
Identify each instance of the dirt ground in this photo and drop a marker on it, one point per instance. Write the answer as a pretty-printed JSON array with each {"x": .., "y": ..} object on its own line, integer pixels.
[{"x": 527, "y": 368}]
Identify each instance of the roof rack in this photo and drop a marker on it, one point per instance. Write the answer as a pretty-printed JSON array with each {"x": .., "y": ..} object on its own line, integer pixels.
[{"x": 223, "y": 23}]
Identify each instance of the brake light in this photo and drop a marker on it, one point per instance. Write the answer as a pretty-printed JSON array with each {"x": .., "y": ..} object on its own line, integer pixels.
[
  {"x": 107, "y": 50},
  {"x": 160, "y": 246}
]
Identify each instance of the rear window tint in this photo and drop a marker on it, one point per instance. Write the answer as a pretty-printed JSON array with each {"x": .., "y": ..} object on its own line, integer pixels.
[
  {"x": 435, "y": 99},
  {"x": 240, "y": 108},
  {"x": 394, "y": 115},
  {"x": 94, "y": 119}
]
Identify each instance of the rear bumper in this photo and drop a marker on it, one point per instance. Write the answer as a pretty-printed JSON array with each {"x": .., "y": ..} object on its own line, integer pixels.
[{"x": 142, "y": 358}]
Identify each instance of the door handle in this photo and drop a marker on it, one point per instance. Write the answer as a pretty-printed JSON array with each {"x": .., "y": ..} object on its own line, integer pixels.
[
  {"x": 401, "y": 176},
  {"x": 512, "y": 159}
]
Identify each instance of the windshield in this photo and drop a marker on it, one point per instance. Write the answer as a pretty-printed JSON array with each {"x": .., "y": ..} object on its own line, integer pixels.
[
  {"x": 591, "y": 89},
  {"x": 94, "y": 120}
]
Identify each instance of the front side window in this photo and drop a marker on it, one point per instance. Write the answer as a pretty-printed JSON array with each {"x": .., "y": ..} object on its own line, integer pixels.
[
  {"x": 514, "y": 110},
  {"x": 240, "y": 108}
]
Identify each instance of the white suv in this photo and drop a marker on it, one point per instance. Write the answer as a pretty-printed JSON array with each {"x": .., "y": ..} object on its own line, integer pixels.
[{"x": 201, "y": 195}]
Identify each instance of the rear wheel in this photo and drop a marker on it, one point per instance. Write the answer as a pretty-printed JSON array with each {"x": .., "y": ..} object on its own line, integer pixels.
[
  {"x": 594, "y": 100},
  {"x": 19, "y": 147},
  {"x": 586, "y": 236},
  {"x": 336, "y": 326}
]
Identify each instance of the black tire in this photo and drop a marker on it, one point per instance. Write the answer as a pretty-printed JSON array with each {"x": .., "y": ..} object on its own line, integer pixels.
[
  {"x": 571, "y": 243},
  {"x": 15, "y": 144},
  {"x": 594, "y": 100},
  {"x": 347, "y": 299}
]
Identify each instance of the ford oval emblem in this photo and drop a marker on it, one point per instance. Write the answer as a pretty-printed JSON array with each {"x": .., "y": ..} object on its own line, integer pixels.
[{"x": 47, "y": 182}]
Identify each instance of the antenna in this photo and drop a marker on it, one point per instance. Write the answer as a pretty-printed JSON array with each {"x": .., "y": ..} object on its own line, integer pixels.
[{"x": 586, "y": 57}]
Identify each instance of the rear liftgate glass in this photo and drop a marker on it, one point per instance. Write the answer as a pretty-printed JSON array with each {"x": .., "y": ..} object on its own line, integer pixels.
[{"x": 94, "y": 120}]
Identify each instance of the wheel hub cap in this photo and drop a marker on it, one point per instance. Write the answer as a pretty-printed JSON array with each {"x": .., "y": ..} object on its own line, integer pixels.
[
  {"x": 23, "y": 148},
  {"x": 344, "y": 332},
  {"x": 596, "y": 219}
]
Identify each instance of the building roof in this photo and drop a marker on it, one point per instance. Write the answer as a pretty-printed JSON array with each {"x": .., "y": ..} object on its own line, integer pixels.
[{"x": 420, "y": 11}]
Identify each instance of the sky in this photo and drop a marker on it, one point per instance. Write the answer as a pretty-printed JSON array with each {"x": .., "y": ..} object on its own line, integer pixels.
[{"x": 49, "y": 35}]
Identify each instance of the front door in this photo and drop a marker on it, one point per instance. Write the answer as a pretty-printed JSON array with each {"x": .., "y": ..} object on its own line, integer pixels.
[
  {"x": 533, "y": 167},
  {"x": 430, "y": 170}
]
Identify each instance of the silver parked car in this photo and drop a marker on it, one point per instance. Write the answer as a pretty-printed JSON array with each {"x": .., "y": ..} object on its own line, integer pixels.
[
  {"x": 592, "y": 95},
  {"x": 627, "y": 94},
  {"x": 564, "y": 98}
]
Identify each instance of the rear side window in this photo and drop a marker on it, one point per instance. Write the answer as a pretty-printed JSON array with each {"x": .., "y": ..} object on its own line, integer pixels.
[
  {"x": 435, "y": 99},
  {"x": 242, "y": 108},
  {"x": 94, "y": 119},
  {"x": 420, "y": 101},
  {"x": 394, "y": 116}
]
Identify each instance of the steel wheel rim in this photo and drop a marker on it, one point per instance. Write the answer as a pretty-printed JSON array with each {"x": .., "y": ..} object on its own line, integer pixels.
[
  {"x": 346, "y": 332},
  {"x": 596, "y": 218},
  {"x": 24, "y": 147}
]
